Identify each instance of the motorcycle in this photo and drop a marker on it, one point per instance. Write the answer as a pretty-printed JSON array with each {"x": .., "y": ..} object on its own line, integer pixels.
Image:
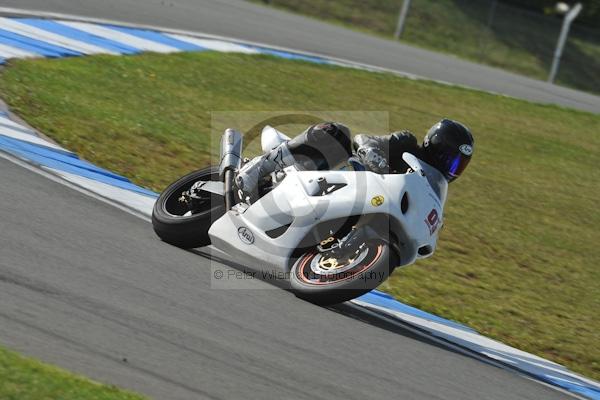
[{"x": 337, "y": 234}]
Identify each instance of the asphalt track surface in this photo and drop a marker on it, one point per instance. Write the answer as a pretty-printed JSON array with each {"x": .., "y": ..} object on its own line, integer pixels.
[
  {"x": 244, "y": 20},
  {"x": 89, "y": 287}
]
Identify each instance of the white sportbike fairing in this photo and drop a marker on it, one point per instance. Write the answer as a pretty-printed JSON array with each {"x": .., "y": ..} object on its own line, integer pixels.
[{"x": 338, "y": 233}]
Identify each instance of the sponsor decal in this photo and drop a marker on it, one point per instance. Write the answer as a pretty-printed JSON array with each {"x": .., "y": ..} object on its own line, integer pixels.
[
  {"x": 245, "y": 235},
  {"x": 432, "y": 221},
  {"x": 377, "y": 200},
  {"x": 466, "y": 149}
]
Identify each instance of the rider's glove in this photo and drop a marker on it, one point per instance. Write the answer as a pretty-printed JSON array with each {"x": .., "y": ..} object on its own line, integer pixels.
[{"x": 373, "y": 158}]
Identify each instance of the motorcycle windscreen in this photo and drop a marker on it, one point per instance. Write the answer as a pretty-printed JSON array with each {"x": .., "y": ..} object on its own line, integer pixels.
[{"x": 437, "y": 181}]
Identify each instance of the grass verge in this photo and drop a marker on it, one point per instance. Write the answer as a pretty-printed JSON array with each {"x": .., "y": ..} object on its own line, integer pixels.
[
  {"x": 487, "y": 32},
  {"x": 26, "y": 379},
  {"x": 518, "y": 257}
]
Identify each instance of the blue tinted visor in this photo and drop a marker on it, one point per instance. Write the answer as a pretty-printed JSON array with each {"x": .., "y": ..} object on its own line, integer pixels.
[{"x": 455, "y": 165}]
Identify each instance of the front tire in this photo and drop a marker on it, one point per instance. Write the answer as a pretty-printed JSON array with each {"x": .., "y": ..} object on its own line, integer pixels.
[
  {"x": 322, "y": 281},
  {"x": 173, "y": 222}
]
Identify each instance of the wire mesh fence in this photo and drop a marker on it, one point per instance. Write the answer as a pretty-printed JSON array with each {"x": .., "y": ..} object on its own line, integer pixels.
[{"x": 486, "y": 31}]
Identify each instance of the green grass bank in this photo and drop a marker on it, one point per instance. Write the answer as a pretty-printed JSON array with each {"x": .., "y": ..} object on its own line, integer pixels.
[
  {"x": 518, "y": 258},
  {"x": 22, "y": 378}
]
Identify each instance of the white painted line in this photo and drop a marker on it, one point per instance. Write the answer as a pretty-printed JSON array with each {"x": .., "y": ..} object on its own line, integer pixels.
[
  {"x": 121, "y": 37},
  {"x": 139, "y": 202},
  {"x": 21, "y": 133},
  {"x": 6, "y": 121},
  {"x": 50, "y": 37},
  {"x": 478, "y": 343},
  {"x": 54, "y": 177},
  {"x": 217, "y": 45},
  {"x": 415, "y": 329},
  {"x": 339, "y": 61},
  {"x": 12, "y": 11},
  {"x": 29, "y": 138},
  {"x": 427, "y": 325},
  {"x": 13, "y": 52}
]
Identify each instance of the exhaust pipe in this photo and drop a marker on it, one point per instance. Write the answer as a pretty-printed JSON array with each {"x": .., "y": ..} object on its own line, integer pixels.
[{"x": 231, "y": 160}]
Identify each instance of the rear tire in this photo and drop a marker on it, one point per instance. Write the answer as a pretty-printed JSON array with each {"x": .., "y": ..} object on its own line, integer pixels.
[
  {"x": 188, "y": 231},
  {"x": 368, "y": 273}
]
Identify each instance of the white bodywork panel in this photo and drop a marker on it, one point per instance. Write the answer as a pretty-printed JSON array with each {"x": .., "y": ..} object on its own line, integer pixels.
[
  {"x": 297, "y": 201},
  {"x": 271, "y": 138}
]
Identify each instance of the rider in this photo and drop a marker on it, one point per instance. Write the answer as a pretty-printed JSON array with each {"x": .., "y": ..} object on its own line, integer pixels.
[{"x": 447, "y": 146}]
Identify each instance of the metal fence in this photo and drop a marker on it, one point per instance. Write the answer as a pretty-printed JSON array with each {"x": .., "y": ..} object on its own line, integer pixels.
[
  {"x": 485, "y": 31},
  {"x": 494, "y": 33}
]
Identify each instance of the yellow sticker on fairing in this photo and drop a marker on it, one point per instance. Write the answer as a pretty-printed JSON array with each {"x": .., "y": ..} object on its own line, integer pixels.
[{"x": 377, "y": 201}]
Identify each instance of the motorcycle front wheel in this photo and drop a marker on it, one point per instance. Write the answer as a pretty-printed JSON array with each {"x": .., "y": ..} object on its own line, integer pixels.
[
  {"x": 182, "y": 225},
  {"x": 324, "y": 279}
]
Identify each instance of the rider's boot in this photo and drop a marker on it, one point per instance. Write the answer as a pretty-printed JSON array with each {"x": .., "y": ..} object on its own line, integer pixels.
[{"x": 259, "y": 167}]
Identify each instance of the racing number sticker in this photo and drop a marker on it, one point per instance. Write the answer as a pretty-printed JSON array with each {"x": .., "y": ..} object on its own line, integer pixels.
[{"x": 432, "y": 221}]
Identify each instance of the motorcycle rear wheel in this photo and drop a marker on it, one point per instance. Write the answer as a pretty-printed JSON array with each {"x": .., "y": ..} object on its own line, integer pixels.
[
  {"x": 324, "y": 281},
  {"x": 175, "y": 224}
]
